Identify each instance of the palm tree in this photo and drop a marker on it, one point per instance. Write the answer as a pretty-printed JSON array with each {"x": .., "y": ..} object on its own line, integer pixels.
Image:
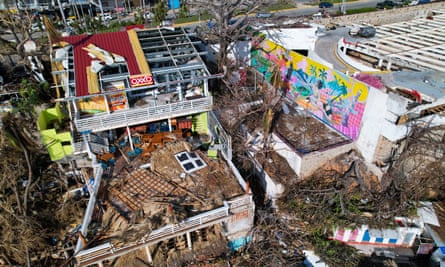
[
  {"x": 160, "y": 12},
  {"x": 271, "y": 100}
]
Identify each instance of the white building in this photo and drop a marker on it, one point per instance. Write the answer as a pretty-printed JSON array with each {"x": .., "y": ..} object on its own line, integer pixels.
[{"x": 371, "y": 120}]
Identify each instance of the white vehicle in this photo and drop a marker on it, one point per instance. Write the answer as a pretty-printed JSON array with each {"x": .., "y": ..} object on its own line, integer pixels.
[
  {"x": 362, "y": 30},
  {"x": 149, "y": 15},
  {"x": 104, "y": 17},
  {"x": 167, "y": 23}
]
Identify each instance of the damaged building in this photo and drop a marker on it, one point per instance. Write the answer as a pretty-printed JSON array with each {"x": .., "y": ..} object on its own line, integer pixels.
[
  {"x": 326, "y": 113},
  {"x": 133, "y": 127}
]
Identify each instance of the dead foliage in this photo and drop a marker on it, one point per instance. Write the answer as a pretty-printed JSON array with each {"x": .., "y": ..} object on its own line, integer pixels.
[{"x": 274, "y": 243}]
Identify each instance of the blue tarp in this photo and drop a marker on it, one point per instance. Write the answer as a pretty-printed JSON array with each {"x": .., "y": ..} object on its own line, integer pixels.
[
  {"x": 173, "y": 4},
  {"x": 238, "y": 243}
]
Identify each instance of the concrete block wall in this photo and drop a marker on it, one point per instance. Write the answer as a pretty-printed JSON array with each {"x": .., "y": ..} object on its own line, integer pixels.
[{"x": 381, "y": 17}]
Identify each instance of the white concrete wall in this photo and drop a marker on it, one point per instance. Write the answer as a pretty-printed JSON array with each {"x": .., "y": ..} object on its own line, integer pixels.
[
  {"x": 436, "y": 120},
  {"x": 351, "y": 61},
  {"x": 379, "y": 119},
  {"x": 273, "y": 189},
  {"x": 305, "y": 165},
  {"x": 372, "y": 123},
  {"x": 381, "y": 17},
  {"x": 242, "y": 217},
  {"x": 396, "y": 105},
  {"x": 315, "y": 160},
  {"x": 293, "y": 159}
]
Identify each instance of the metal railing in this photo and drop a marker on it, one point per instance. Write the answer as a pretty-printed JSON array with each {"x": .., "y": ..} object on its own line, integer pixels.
[
  {"x": 134, "y": 116},
  {"x": 225, "y": 138},
  {"x": 96, "y": 143},
  {"x": 107, "y": 251}
]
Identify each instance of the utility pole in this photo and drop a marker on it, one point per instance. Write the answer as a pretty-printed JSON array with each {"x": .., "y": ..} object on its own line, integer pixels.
[
  {"x": 62, "y": 13},
  {"x": 343, "y": 7}
]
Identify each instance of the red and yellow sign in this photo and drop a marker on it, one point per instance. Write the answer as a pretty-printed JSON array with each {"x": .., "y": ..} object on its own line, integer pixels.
[
  {"x": 141, "y": 80},
  {"x": 117, "y": 101},
  {"x": 92, "y": 105}
]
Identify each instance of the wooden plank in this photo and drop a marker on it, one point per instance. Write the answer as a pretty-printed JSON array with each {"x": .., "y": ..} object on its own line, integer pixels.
[{"x": 93, "y": 82}]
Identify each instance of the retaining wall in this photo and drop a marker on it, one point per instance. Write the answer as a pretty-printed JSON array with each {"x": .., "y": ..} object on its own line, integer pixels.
[{"x": 388, "y": 16}]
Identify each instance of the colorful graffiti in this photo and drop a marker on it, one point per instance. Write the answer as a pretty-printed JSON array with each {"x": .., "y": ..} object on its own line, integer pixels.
[{"x": 332, "y": 96}]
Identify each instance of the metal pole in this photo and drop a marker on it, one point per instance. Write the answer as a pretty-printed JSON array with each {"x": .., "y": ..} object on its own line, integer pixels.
[
  {"x": 129, "y": 138},
  {"x": 147, "y": 250},
  {"x": 62, "y": 13}
]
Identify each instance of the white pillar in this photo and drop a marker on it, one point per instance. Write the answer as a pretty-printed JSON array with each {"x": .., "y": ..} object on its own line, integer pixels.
[
  {"x": 129, "y": 138},
  {"x": 169, "y": 124},
  {"x": 107, "y": 107},
  {"x": 76, "y": 110},
  {"x": 380, "y": 63},
  {"x": 388, "y": 66},
  {"x": 147, "y": 250},
  {"x": 206, "y": 86},
  {"x": 179, "y": 91},
  {"x": 189, "y": 240},
  {"x": 62, "y": 12}
]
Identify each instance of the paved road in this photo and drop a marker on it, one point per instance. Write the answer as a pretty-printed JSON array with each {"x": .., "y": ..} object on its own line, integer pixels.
[
  {"x": 326, "y": 46},
  {"x": 307, "y": 10}
]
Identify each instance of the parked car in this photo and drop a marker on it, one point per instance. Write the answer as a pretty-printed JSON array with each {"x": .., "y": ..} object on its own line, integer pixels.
[
  {"x": 325, "y": 5},
  {"x": 104, "y": 17},
  {"x": 385, "y": 4},
  {"x": 149, "y": 15},
  {"x": 263, "y": 15},
  {"x": 363, "y": 31},
  {"x": 167, "y": 23}
]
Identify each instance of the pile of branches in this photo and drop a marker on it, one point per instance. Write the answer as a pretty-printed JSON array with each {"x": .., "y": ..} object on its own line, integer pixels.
[
  {"x": 274, "y": 243},
  {"x": 345, "y": 192}
]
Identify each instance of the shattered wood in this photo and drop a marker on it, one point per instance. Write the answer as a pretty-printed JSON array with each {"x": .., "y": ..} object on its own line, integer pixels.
[{"x": 145, "y": 199}]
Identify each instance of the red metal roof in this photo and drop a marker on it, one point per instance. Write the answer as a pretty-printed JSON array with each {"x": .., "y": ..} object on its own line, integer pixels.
[{"x": 113, "y": 42}]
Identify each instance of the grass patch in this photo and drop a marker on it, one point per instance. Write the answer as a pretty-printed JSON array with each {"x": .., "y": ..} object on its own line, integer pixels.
[
  {"x": 360, "y": 10},
  {"x": 279, "y": 7},
  {"x": 194, "y": 18}
]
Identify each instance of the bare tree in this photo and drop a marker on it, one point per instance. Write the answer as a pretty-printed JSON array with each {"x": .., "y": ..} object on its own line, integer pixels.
[
  {"x": 26, "y": 180},
  {"x": 228, "y": 23},
  {"x": 19, "y": 27}
]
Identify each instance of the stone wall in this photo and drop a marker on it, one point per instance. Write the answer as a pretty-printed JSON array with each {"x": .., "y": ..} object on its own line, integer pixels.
[{"x": 381, "y": 17}]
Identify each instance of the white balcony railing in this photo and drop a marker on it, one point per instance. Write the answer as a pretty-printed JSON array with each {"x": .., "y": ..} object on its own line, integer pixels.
[
  {"x": 107, "y": 251},
  {"x": 134, "y": 116}
]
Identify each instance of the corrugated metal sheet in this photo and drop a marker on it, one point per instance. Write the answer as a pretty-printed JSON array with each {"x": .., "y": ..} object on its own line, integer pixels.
[{"x": 114, "y": 42}]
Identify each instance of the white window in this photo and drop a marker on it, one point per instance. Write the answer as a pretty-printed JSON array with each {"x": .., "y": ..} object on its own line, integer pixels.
[{"x": 190, "y": 161}]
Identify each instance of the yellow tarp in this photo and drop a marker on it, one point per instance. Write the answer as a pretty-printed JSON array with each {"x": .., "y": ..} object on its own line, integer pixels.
[
  {"x": 200, "y": 123},
  {"x": 138, "y": 52},
  {"x": 93, "y": 82},
  {"x": 58, "y": 144}
]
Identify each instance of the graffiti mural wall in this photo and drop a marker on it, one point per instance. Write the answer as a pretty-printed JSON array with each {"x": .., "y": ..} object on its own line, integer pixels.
[{"x": 332, "y": 96}]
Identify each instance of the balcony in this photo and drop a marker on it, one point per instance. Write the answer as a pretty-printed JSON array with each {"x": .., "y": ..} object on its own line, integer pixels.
[
  {"x": 98, "y": 254},
  {"x": 134, "y": 116}
]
